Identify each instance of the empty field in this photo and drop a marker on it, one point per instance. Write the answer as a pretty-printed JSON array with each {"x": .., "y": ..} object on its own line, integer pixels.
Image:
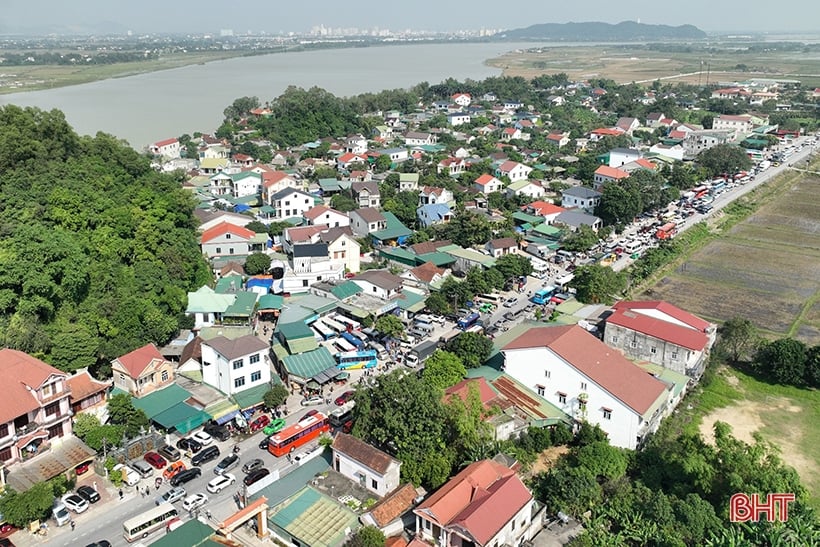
[{"x": 766, "y": 269}]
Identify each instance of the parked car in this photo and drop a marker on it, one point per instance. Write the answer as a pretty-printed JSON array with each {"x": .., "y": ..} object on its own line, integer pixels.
[
  {"x": 309, "y": 413},
  {"x": 226, "y": 464},
  {"x": 75, "y": 503},
  {"x": 221, "y": 482},
  {"x": 255, "y": 476},
  {"x": 169, "y": 453},
  {"x": 277, "y": 425},
  {"x": 207, "y": 454},
  {"x": 143, "y": 468},
  {"x": 155, "y": 459},
  {"x": 173, "y": 469},
  {"x": 171, "y": 496},
  {"x": 194, "y": 501},
  {"x": 189, "y": 443},
  {"x": 60, "y": 513},
  {"x": 510, "y": 302},
  {"x": 88, "y": 494},
  {"x": 82, "y": 468},
  {"x": 313, "y": 400},
  {"x": 252, "y": 465},
  {"x": 217, "y": 431},
  {"x": 203, "y": 437},
  {"x": 263, "y": 444},
  {"x": 100, "y": 543},
  {"x": 130, "y": 476},
  {"x": 259, "y": 423},
  {"x": 184, "y": 476},
  {"x": 344, "y": 397}
]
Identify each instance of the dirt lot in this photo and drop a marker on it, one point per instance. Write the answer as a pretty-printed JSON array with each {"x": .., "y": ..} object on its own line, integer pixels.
[
  {"x": 765, "y": 268},
  {"x": 547, "y": 459}
]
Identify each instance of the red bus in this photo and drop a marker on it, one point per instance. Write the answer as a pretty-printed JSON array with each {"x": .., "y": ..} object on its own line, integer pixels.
[
  {"x": 296, "y": 435},
  {"x": 667, "y": 231},
  {"x": 700, "y": 191}
]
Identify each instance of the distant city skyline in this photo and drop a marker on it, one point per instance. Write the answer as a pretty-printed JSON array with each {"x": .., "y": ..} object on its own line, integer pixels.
[{"x": 264, "y": 16}]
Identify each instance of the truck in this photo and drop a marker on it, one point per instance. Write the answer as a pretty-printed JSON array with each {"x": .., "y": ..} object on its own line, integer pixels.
[
  {"x": 419, "y": 354},
  {"x": 667, "y": 231}
]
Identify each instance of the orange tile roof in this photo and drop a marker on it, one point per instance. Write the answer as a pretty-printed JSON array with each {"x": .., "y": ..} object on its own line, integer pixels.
[
  {"x": 462, "y": 389},
  {"x": 393, "y": 505},
  {"x": 597, "y": 361},
  {"x": 21, "y": 371},
  {"x": 83, "y": 385},
  {"x": 645, "y": 163},
  {"x": 485, "y": 179},
  {"x": 223, "y": 228},
  {"x": 426, "y": 272},
  {"x": 611, "y": 172},
  {"x": 137, "y": 361},
  {"x": 363, "y": 453}
]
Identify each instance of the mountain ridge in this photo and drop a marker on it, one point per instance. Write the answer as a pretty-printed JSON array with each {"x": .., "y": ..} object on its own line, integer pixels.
[{"x": 593, "y": 31}]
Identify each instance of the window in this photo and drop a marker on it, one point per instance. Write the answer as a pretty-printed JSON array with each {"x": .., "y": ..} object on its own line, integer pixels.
[
  {"x": 4, "y": 430},
  {"x": 607, "y": 413},
  {"x": 287, "y": 203},
  {"x": 546, "y": 374},
  {"x": 53, "y": 409},
  {"x": 583, "y": 386},
  {"x": 5, "y": 454},
  {"x": 227, "y": 236},
  {"x": 674, "y": 355},
  {"x": 254, "y": 359},
  {"x": 164, "y": 375},
  {"x": 218, "y": 250},
  {"x": 653, "y": 350},
  {"x": 633, "y": 344},
  {"x": 582, "y": 406},
  {"x": 374, "y": 484},
  {"x": 304, "y": 282},
  {"x": 56, "y": 431},
  {"x": 614, "y": 339},
  {"x": 239, "y": 382},
  {"x": 541, "y": 390},
  {"x": 562, "y": 398},
  {"x": 256, "y": 376},
  {"x": 239, "y": 363},
  {"x": 230, "y": 250}
]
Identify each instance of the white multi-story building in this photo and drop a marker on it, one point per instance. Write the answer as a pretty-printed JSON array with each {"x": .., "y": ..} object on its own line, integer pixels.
[{"x": 234, "y": 365}]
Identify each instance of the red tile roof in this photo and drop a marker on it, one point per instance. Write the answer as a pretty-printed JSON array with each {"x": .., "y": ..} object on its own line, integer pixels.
[
  {"x": 224, "y": 228},
  {"x": 269, "y": 178},
  {"x": 508, "y": 166},
  {"x": 485, "y": 179},
  {"x": 607, "y": 131},
  {"x": 603, "y": 365},
  {"x": 83, "y": 385},
  {"x": 646, "y": 164},
  {"x": 363, "y": 453},
  {"x": 303, "y": 233},
  {"x": 138, "y": 360},
  {"x": 393, "y": 505},
  {"x": 611, "y": 172},
  {"x": 660, "y": 329},
  {"x": 427, "y": 272},
  {"x": 21, "y": 371},
  {"x": 481, "y": 500},
  {"x": 543, "y": 208},
  {"x": 350, "y": 157},
  {"x": 166, "y": 142}
]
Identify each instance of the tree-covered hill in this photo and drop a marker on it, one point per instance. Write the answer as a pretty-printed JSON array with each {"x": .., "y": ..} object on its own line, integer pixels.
[
  {"x": 625, "y": 31},
  {"x": 97, "y": 250}
]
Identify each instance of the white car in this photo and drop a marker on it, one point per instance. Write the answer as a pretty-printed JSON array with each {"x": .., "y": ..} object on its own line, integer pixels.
[
  {"x": 194, "y": 501},
  {"x": 203, "y": 438},
  {"x": 222, "y": 481},
  {"x": 75, "y": 502}
]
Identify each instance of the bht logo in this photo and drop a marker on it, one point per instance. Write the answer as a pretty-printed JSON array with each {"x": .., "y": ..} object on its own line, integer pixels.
[{"x": 745, "y": 507}]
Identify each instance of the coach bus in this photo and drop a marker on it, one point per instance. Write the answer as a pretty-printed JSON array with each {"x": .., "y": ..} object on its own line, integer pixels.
[
  {"x": 335, "y": 325},
  {"x": 326, "y": 332},
  {"x": 347, "y": 322},
  {"x": 148, "y": 522},
  {"x": 343, "y": 345},
  {"x": 351, "y": 360},
  {"x": 298, "y": 434}
]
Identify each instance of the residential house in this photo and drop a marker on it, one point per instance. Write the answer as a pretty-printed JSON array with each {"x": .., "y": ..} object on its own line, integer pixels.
[
  {"x": 451, "y": 166},
  {"x": 434, "y": 213},
  {"x": 661, "y": 333},
  {"x": 502, "y": 246},
  {"x": 298, "y": 235},
  {"x": 274, "y": 181},
  {"x": 169, "y": 148},
  {"x": 234, "y": 365},
  {"x": 290, "y": 203},
  {"x": 653, "y": 120},
  {"x": 243, "y": 160},
  {"x": 558, "y": 139},
  {"x": 510, "y": 134},
  {"x": 142, "y": 371},
  {"x": 35, "y": 407},
  {"x": 605, "y": 174},
  {"x": 485, "y": 505},
  {"x": 356, "y": 144},
  {"x": 530, "y": 188},
  {"x": 425, "y": 274},
  {"x": 574, "y": 220},
  {"x": 366, "y": 221},
  {"x": 360, "y": 176},
  {"x": 696, "y": 142},
  {"x": 462, "y": 99},
  {"x": 627, "y": 125},
  {"x": 365, "y": 465},
  {"x": 88, "y": 395},
  {"x": 580, "y": 197},
  {"x": 210, "y": 218},
  {"x": 220, "y": 185},
  {"x": 383, "y": 132},
  {"x": 512, "y": 106},
  {"x": 637, "y": 165},
  {"x": 513, "y": 170},
  {"x": 387, "y": 514},
  {"x": 346, "y": 161},
  {"x": 458, "y": 118},
  {"x": 487, "y": 184},
  {"x": 740, "y": 126},
  {"x": 396, "y": 155},
  {"x": 379, "y": 283},
  {"x": 431, "y": 194},
  {"x": 227, "y": 239},
  {"x": 322, "y": 215},
  {"x": 731, "y": 93},
  {"x": 211, "y": 166},
  {"x": 366, "y": 194},
  {"x": 572, "y": 369},
  {"x": 246, "y": 183},
  {"x": 408, "y": 182},
  {"x": 622, "y": 156},
  {"x": 543, "y": 209},
  {"x": 490, "y": 97},
  {"x": 674, "y": 152},
  {"x": 309, "y": 264},
  {"x": 342, "y": 248},
  {"x": 597, "y": 134},
  {"x": 416, "y": 138}
]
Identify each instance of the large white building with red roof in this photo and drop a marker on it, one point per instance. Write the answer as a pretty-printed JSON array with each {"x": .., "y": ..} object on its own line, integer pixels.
[
  {"x": 168, "y": 148},
  {"x": 486, "y": 504},
  {"x": 589, "y": 381},
  {"x": 226, "y": 239},
  {"x": 660, "y": 333}
]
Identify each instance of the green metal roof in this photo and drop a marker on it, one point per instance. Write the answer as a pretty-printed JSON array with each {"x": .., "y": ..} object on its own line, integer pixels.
[
  {"x": 243, "y": 306},
  {"x": 294, "y": 331},
  {"x": 267, "y": 209},
  {"x": 668, "y": 376},
  {"x": 345, "y": 290},
  {"x": 395, "y": 228},
  {"x": 468, "y": 254},
  {"x": 548, "y": 230},
  {"x": 206, "y": 300},
  {"x": 309, "y": 364},
  {"x": 182, "y": 417},
  {"x": 400, "y": 255},
  {"x": 158, "y": 402},
  {"x": 410, "y": 301},
  {"x": 271, "y": 302},
  {"x": 193, "y": 533},
  {"x": 315, "y": 519},
  {"x": 228, "y": 284},
  {"x": 524, "y": 217},
  {"x": 437, "y": 258},
  {"x": 252, "y": 396},
  {"x": 293, "y": 481}
]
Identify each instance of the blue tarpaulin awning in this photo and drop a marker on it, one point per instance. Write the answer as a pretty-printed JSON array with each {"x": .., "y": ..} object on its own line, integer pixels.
[{"x": 227, "y": 417}]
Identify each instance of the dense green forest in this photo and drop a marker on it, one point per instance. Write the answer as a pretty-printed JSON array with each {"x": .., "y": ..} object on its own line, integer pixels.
[{"x": 97, "y": 250}]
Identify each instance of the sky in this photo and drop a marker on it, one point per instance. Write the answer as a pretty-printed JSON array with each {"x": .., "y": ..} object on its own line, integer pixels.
[{"x": 275, "y": 16}]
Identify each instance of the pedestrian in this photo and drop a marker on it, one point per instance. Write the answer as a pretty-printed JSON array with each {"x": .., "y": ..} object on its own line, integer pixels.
[
  {"x": 95, "y": 486},
  {"x": 142, "y": 492},
  {"x": 120, "y": 493},
  {"x": 73, "y": 524}
]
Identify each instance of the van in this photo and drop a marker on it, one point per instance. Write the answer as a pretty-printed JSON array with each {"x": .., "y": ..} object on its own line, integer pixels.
[
  {"x": 143, "y": 468},
  {"x": 421, "y": 326},
  {"x": 60, "y": 513},
  {"x": 130, "y": 477}
]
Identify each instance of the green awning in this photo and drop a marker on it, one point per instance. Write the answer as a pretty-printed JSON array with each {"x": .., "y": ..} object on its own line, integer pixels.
[
  {"x": 271, "y": 302},
  {"x": 193, "y": 533},
  {"x": 250, "y": 397},
  {"x": 267, "y": 209},
  {"x": 182, "y": 417},
  {"x": 158, "y": 402}
]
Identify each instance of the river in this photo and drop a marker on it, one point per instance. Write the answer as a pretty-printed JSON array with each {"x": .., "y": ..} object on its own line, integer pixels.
[{"x": 149, "y": 107}]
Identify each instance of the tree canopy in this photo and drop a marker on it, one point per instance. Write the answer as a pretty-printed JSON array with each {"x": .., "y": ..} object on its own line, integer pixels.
[
  {"x": 472, "y": 348},
  {"x": 443, "y": 369},
  {"x": 97, "y": 251},
  {"x": 596, "y": 284},
  {"x": 724, "y": 158}
]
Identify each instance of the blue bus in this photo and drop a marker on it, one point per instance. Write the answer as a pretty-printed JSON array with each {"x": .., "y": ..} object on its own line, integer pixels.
[
  {"x": 466, "y": 322},
  {"x": 543, "y": 296},
  {"x": 350, "y": 360},
  {"x": 353, "y": 340}
]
